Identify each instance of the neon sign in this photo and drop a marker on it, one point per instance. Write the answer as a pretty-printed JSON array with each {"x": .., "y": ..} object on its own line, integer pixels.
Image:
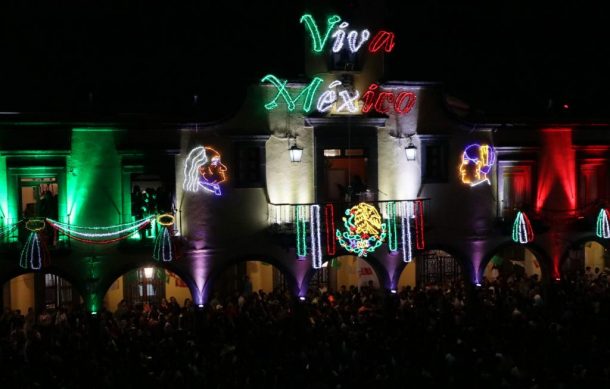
[
  {"x": 384, "y": 102},
  {"x": 477, "y": 161},
  {"x": 364, "y": 230},
  {"x": 203, "y": 169},
  {"x": 355, "y": 40}
]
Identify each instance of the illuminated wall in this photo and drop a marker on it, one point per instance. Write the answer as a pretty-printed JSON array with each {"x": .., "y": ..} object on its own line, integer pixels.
[
  {"x": 94, "y": 190},
  {"x": 408, "y": 276},
  {"x": 557, "y": 171},
  {"x": 594, "y": 256},
  {"x": 21, "y": 293},
  {"x": 261, "y": 276},
  {"x": 289, "y": 182}
]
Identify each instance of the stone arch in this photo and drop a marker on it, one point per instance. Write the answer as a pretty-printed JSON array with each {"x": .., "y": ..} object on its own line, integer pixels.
[
  {"x": 120, "y": 271},
  {"x": 217, "y": 271},
  {"x": 378, "y": 268},
  {"x": 543, "y": 259},
  {"x": 76, "y": 285},
  {"x": 465, "y": 265}
]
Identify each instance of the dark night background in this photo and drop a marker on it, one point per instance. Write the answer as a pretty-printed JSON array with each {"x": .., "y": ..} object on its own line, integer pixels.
[{"x": 502, "y": 57}]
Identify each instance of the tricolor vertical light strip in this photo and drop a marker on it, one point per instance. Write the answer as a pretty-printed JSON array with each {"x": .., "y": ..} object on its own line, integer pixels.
[
  {"x": 301, "y": 231},
  {"x": 405, "y": 224},
  {"x": 392, "y": 238},
  {"x": 603, "y": 226},
  {"x": 420, "y": 243},
  {"x": 522, "y": 229},
  {"x": 316, "y": 247},
  {"x": 329, "y": 215}
]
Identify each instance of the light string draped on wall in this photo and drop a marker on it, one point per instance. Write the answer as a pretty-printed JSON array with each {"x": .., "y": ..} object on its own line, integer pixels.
[
  {"x": 603, "y": 225},
  {"x": 301, "y": 231},
  {"x": 316, "y": 247},
  {"x": 522, "y": 229},
  {"x": 100, "y": 235}
]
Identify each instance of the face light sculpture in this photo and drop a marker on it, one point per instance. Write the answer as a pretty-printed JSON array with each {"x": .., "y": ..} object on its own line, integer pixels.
[
  {"x": 204, "y": 170},
  {"x": 477, "y": 161}
]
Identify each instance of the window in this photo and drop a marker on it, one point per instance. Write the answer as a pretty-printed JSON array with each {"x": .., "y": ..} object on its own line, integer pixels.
[
  {"x": 57, "y": 292},
  {"x": 435, "y": 161},
  {"x": 39, "y": 197},
  {"x": 144, "y": 285},
  {"x": 344, "y": 60},
  {"x": 249, "y": 164},
  {"x": 593, "y": 183},
  {"x": 516, "y": 189}
]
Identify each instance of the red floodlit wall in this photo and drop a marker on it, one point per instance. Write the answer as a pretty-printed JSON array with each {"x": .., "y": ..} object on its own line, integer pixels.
[{"x": 556, "y": 194}]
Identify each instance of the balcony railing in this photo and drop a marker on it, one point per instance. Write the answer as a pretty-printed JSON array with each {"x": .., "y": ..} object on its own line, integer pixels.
[{"x": 284, "y": 216}]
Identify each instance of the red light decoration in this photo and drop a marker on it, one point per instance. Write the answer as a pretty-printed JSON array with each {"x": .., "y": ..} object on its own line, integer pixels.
[
  {"x": 372, "y": 98},
  {"x": 410, "y": 97},
  {"x": 329, "y": 215},
  {"x": 557, "y": 171},
  {"x": 420, "y": 243},
  {"x": 383, "y": 39}
]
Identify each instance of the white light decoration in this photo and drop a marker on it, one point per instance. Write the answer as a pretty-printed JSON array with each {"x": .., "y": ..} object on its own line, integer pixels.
[
  {"x": 407, "y": 211},
  {"x": 316, "y": 246},
  {"x": 328, "y": 98},
  {"x": 352, "y": 37},
  {"x": 348, "y": 101},
  {"x": 196, "y": 158},
  {"x": 339, "y": 36}
]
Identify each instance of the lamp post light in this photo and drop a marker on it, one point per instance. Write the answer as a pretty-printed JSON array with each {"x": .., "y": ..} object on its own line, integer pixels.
[
  {"x": 411, "y": 151},
  {"x": 295, "y": 153}
]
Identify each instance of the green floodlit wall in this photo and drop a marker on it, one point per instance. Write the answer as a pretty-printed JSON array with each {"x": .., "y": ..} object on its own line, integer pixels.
[
  {"x": 94, "y": 179},
  {"x": 4, "y": 209}
]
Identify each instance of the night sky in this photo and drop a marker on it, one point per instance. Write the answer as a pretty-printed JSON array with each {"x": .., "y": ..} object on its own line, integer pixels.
[{"x": 502, "y": 57}]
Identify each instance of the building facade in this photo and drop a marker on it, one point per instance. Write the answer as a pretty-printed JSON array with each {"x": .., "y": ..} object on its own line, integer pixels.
[{"x": 450, "y": 197}]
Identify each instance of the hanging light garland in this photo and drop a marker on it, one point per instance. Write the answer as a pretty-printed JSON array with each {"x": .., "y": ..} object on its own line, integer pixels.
[
  {"x": 392, "y": 238},
  {"x": 34, "y": 254},
  {"x": 100, "y": 235},
  {"x": 329, "y": 214},
  {"x": 165, "y": 248},
  {"x": 299, "y": 217},
  {"x": 603, "y": 226},
  {"x": 522, "y": 229},
  {"x": 316, "y": 247},
  {"x": 405, "y": 226}
]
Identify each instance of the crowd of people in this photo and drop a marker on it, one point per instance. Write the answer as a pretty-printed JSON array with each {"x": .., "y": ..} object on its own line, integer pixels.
[{"x": 514, "y": 333}]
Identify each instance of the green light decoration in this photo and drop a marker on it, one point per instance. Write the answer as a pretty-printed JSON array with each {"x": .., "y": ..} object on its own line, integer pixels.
[
  {"x": 7, "y": 230},
  {"x": 318, "y": 41},
  {"x": 364, "y": 230},
  {"x": 603, "y": 226},
  {"x": 299, "y": 217},
  {"x": 392, "y": 237},
  {"x": 101, "y": 235},
  {"x": 309, "y": 92}
]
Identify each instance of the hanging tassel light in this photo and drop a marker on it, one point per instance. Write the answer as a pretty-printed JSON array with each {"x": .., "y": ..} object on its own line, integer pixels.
[
  {"x": 522, "y": 229},
  {"x": 165, "y": 247},
  {"x": 35, "y": 253},
  {"x": 603, "y": 226}
]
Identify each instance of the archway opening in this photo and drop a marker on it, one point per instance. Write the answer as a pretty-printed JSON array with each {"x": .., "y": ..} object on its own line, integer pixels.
[
  {"x": 345, "y": 271},
  {"x": 248, "y": 277},
  {"x": 513, "y": 262},
  {"x": 32, "y": 294},
  {"x": 431, "y": 267},
  {"x": 589, "y": 258},
  {"x": 150, "y": 289}
]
